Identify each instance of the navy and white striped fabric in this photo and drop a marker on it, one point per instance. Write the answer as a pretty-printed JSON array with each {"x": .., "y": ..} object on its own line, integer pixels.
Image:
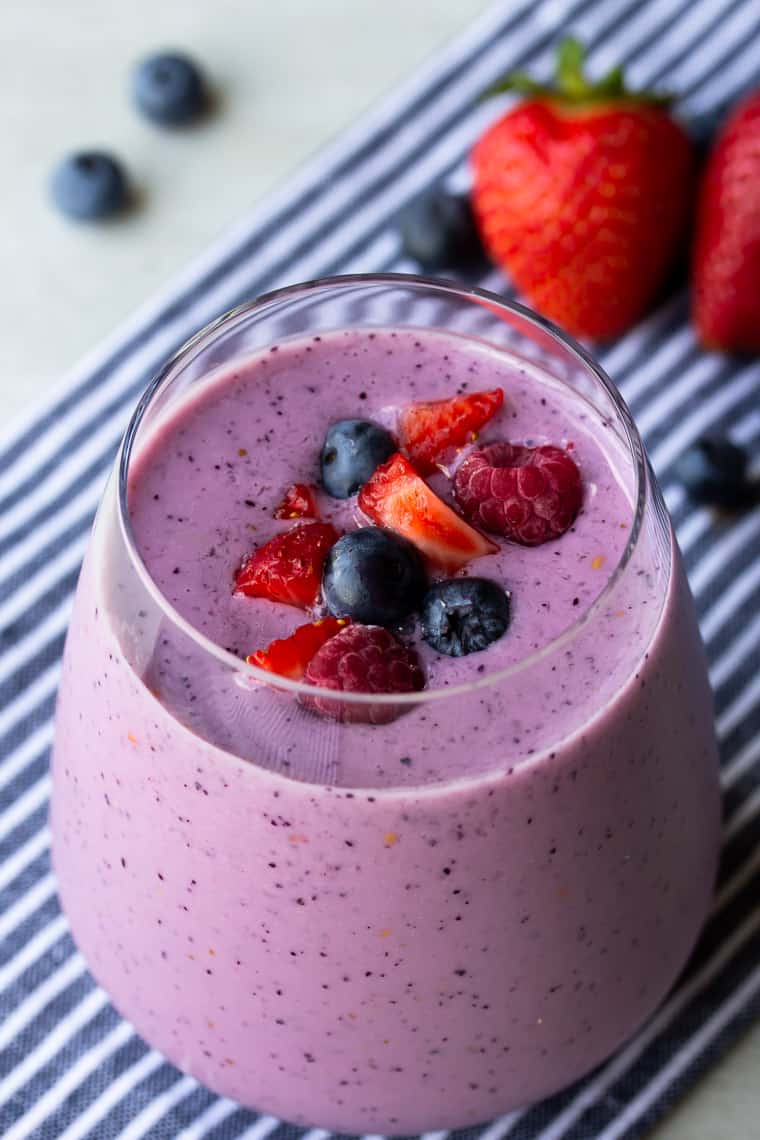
[{"x": 70, "y": 1068}]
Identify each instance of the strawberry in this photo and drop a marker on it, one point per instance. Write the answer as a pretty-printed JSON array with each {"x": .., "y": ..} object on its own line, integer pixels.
[
  {"x": 429, "y": 430},
  {"x": 583, "y": 193},
  {"x": 726, "y": 275},
  {"x": 290, "y": 656},
  {"x": 288, "y": 568},
  {"x": 298, "y": 502},
  {"x": 398, "y": 498}
]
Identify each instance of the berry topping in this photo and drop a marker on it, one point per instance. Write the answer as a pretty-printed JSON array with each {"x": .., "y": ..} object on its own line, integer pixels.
[
  {"x": 89, "y": 185},
  {"x": 351, "y": 452},
  {"x": 438, "y": 231},
  {"x": 298, "y": 502},
  {"x": 289, "y": 656},
  {"x": 373, "y": 576},
  {"x": 398, "y": 498},
  {"x": 714, "y": 470},
  {"x": 528, "y": 494},
  {"x": 428, "y": 431},
  {"x": 168, "y": 88},
  {"x": 464, "y": 615},
  {"x": 363, "y": 659},
  {"x": 288, "y": 568}
]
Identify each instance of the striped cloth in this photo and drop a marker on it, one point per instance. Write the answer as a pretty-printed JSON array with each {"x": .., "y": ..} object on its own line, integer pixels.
[{"x": 70, "y": 1068}]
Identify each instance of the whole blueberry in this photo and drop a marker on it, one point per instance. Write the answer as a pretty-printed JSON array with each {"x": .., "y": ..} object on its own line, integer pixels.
[
  {"x": 714, "y": 470},
  {"x": 464, "y": 615},
  {"x": 438, "y": 231},
  {"x": 352, "y": 450},
  {"x": 89, "y": 185},
  {"x": 168, "y": 88},
  {"x": 373, "y": 576}
]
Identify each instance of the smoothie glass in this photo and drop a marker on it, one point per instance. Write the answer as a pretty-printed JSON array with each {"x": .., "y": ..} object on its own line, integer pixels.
[{"x": 438, "y": 942}]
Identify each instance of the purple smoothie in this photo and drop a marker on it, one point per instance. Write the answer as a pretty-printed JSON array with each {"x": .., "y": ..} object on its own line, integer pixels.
[
  {"x": 440, "y": 918},
  {"x": 204, "y": 490}
]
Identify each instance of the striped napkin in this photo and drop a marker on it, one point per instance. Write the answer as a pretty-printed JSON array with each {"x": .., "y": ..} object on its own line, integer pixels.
[{"x": 70, "y": 1068}]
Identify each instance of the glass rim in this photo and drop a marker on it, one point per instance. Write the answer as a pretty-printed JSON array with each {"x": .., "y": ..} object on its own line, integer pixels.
[{"x": 441, "y": 285}]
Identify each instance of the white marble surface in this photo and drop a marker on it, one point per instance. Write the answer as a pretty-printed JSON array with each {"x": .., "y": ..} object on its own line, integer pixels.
[{"x": 281, "y": 96}]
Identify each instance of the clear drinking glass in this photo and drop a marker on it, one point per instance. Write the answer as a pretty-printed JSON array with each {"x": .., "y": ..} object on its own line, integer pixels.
[{"x": 417, "y": 955}]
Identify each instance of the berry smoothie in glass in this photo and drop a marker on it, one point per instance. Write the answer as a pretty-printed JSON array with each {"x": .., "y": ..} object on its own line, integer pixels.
[{"x": 385, "y": 778}]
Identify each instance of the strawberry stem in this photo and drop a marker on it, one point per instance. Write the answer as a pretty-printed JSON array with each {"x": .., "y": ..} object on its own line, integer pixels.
[{"x": 572, "y": 86}]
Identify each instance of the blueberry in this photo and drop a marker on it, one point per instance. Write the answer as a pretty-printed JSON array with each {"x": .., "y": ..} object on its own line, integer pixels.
[
  {"x": 373, "y": 576},
  {"x": 464, "y": 615},
  {"x": 168, "y": 88},
  {"x": 438, "y": 231},
  {"x": 352, "y": 450},
  {"x": 89, "y": 185},
  {"x": 714, "y": 470}
]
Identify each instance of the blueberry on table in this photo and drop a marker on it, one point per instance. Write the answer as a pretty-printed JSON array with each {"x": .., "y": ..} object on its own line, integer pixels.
[
  {"x": 89, "y": 185},
  {"x": 464, "y": 615},
  {"x": 373, "y": 576},
  {"x": 168, "y": 88},
  {"x": 438, "y": 231},
  {"x": 352, "y": 451},
  {"x": 714, "y": 471}
]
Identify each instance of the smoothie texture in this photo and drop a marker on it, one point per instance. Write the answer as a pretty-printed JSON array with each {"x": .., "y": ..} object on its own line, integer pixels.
[
  {"x": 381, "y": 927},
  {"x": 205, "y": 488}
]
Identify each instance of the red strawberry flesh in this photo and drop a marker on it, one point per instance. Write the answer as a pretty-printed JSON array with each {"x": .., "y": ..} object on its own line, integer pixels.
[
  {"x": 398, "y": 498},
  {"x": 430, "y": 430},
  {"x": 289, "y": 656},
  {"x": 288, "y": 568},
  {"x": 298, "y": 502},
  {"x": 528, "y": 494}
]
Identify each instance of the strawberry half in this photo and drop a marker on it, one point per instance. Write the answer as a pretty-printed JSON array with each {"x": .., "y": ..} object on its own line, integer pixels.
[
  {"x": 290, "y": 656},
  {"x": 288, "y": 568},
  {"x": 429, "y": 430},
  {"x": 298, "y": 502},
  {"x": 398, "y": 498}
]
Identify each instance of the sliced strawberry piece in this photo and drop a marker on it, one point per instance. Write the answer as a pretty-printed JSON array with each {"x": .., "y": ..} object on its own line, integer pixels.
[
  {"x": 290, "y": 656},
  {"x": 298, "y": 502},
  {"x": 288, "y": 568},
  {"x": 429, "y": 430},
  {"x": 398, "y": 498}
]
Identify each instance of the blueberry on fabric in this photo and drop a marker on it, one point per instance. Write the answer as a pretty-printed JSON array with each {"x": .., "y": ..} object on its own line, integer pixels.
[
  {"x": 714, "y": 471},
  {"x": 89, "y": 185},
  {"x": 464, "y": 615},
  {"x": 373, "y": 576},
  {"x": 438, "y": 231},
  {"x": 352, "y": 451},
  {"x": 168, "y": 89}
]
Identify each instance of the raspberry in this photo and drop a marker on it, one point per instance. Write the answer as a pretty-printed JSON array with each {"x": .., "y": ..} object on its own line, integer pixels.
[
  {"x": 528, "y": 494},
  {"x": 363, "y": 659}
]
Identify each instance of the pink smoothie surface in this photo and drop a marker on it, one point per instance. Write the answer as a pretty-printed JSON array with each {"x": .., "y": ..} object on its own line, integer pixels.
[
  {"x": 454, "y": 914},
  {"x": 204, "y": 489}
]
